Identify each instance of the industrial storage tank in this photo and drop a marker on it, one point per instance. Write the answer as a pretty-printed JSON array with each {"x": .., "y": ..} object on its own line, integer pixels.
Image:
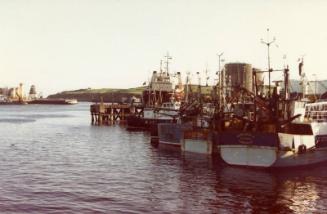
[
  {"x": 32, "y": 93},
  {"x": 12, "y": 93},
  {"x": 258, "y": 76},
  {"x": 259, "y": 81},
  {"x": 32, "y": 90},
  {"x": 239, "y": 75}
]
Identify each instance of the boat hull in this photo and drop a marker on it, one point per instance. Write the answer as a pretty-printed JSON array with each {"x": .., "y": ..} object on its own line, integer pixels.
[
  {"x": 134, "y": 122},
  {"x": 271, "y": 150},
  {"x": 198, "y": 146},
  {"x": 248, "y": 149},
  {"x": 256, "y": 156},
  {"x": 198, "y": 141},
  {"x": 291, "y": 159},
  {"x": 54, "y": 101},
  {"x": 149, "y": 121},
  {"x": 170, "y": 134}
]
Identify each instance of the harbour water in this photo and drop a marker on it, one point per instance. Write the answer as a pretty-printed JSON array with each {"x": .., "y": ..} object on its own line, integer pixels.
[{"x": 54, "y": 161}]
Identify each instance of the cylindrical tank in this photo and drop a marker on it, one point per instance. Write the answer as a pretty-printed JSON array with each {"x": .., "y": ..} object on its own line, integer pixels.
[
  {"x": 239, "y": 75},
  {"x": 32, "y": 90},
  {"x": 12, "y": 93},
  {"x": 258, "y": 76},
  {"x": 19, "y": 91},
  {"x": 259, "y": 80}
]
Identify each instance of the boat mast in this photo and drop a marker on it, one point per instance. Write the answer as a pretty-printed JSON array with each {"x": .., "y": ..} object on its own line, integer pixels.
[
  {"x": 149, "y": 96},
  {"x": 220, "y": 80},
  {"x": 187, "y": 87},
  {"x": 302, "y": 75},
  {"x": 268, "y": 43},
  {"x": 167, "y": 57},
  {"x": 286, "y": 91},
  {"x": 199, "y": 87},
  {"x": 160, "y": 93},
  {"x": 207, "y": 76},
  {"x": 160, "y": 66}
]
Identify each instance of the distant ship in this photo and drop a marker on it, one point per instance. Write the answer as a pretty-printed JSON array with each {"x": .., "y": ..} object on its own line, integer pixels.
[
  {"x": 15, "y": 102},
  {"x": 54, "y": 101},
  {"x": 14, "y": 96}
]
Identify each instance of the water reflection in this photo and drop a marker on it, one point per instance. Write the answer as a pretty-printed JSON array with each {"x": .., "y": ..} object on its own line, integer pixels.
[
  {"x": 207, "y": 182},
  {"x": 62, "y": 163},
  {"x": 285, "y": 191}
]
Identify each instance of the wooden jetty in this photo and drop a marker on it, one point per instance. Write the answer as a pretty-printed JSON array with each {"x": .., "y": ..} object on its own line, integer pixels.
[{"x": 108, "y": 113}]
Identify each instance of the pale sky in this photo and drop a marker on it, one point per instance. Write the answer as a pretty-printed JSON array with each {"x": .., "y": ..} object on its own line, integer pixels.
[{"x": 70, "y": 44}]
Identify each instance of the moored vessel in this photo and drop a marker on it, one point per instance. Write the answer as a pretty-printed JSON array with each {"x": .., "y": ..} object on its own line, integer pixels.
[
  {"x": 53, "y": 101},
  {"x": 276, "y": 132},
  {"x": 160, "y": 100}
]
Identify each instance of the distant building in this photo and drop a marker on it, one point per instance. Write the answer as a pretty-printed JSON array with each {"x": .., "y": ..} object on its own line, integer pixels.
[
  {"x": 311, "y": 88},
  {"x": 12, "y": 93},
  {"x": 3, "y": 98},
  {"x": 32, "y": 93},
  {"x": 316, "y": 87}
]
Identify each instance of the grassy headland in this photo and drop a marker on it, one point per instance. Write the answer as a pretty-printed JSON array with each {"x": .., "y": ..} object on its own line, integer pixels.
[
  {"x": 110, "y": 94},
  {"x": 94, "y": 95}
]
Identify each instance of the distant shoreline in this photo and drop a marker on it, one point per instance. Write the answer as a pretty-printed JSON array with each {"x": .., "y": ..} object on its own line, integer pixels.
[
  {"x": 121, "y": 95},
  {"x": 110, "y": 95},
  {"x": 95, "y": 95}
]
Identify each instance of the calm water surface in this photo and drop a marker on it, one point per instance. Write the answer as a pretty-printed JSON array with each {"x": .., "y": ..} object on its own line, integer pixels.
[{"x": 54, "y": 161}]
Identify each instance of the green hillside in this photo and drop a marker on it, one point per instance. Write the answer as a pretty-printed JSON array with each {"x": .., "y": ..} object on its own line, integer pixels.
[
  {"x": 136, "y": 91},
  {"x": 112, "y": 95}
]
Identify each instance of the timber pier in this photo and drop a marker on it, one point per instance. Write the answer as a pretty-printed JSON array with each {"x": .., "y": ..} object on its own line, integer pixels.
[{"x": 108, "y": 113}]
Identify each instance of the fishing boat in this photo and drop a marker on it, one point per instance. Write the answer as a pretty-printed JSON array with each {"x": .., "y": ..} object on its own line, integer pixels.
[
  {"x": 278, "y": 132},
  {"x": 171, "y": 134},
  {"x": 190, "y": 117},
  {"x": 316, "y": 113},
  {"x": 190, "y": 121},
  {"x": 159, "y": 105},
  {"x": 161, "y": 101},
  {"x": 153, "y": 117}
]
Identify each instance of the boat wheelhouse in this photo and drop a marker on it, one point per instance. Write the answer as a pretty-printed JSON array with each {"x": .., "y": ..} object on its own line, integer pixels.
[{"x": 316, "y": 111}]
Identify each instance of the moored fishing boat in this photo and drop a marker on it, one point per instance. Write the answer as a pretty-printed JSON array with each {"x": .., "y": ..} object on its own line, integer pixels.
[
  {"x": 278, "y": 132},
  {"x": 294, "y": 146},
  {"x": 181, "y": 134},
  {"x": 170, "y": 134},
  {"x": 161, "y": 101}
]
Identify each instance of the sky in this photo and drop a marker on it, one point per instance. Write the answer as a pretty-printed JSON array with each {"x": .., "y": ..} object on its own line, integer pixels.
[{"x": 62, "y": 45}]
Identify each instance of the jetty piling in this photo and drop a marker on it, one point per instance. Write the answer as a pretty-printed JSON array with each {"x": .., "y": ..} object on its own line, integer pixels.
[{"x": 108, "y": 113}]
